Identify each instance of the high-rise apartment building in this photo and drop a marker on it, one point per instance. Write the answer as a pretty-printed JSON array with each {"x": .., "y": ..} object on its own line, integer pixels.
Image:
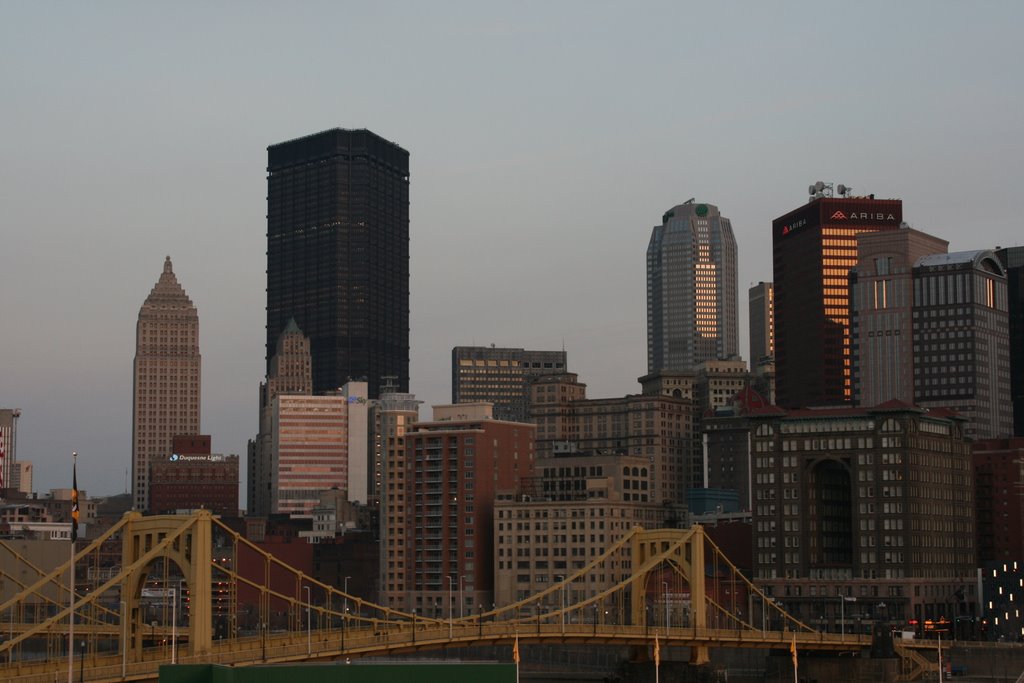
[
  {"x": 392, "y": 416},
  {"x": 761, "y": 315},
  {"x": 338, "y": 254},
  {"x": 166, "y": 387},
  {"x": 962, "y": 340},
  {"x": 501, "y": 376},
  {"x": 455, "y": 465},
  {"x": 1012, "y": 259},
  {"x": 814, "y": 247},
  {"x": 691, "y": 289},
  {"x": 881, "y": 306}
]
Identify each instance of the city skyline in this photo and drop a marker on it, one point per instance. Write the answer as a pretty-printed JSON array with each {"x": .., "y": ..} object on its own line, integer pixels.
[{"x": 113, "y": 163}]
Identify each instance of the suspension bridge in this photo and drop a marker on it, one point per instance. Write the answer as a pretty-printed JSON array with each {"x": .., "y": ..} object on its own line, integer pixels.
[{"x": 200, "y": 562}]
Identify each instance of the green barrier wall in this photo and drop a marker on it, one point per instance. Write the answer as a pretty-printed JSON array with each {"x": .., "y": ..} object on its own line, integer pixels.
[{"x": 422, "y": 672}]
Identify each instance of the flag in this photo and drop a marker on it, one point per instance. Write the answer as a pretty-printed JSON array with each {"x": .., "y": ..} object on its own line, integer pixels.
[
  {"x": 74, "y": 500},
  {"x": 515, "y": 650},
  {"x": 792, "y": 650},
  {"x": 657, "y": 651}
]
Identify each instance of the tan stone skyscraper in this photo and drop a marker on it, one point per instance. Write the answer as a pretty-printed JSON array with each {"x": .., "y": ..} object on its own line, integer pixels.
[{"x": 166, "y": 378}]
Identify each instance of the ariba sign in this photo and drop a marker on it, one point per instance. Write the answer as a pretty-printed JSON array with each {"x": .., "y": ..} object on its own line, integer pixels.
[{"x": 841, "y": 215}]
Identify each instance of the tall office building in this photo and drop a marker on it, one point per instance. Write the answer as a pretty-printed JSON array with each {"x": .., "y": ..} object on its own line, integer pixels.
[
  {"x": 1012, "y": 259},
  {"x": 814, "y": 247},
  {"x": 867, "y": 503},
  {"x": 290, "y": 373},
  {"x": 962, "y": 340},
  {"x": 881, "y": 306},
  {"x": 338, "y": 254},
  {"x": 501, "y": 376},
  {"x": 8, "y": 449},
  {"x": 691, "y": 289},
  {"x": 166, "y": 378},
  {"x": 762, "y": 323}
]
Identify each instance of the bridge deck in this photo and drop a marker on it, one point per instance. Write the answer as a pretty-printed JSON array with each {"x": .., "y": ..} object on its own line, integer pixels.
[{"x": 328, "y": 645}]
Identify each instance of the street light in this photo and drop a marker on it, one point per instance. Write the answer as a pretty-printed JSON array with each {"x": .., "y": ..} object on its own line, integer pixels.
[
  {"x": 81, "y": 665},
  {"x": 344, "y": 611},
  {"x": 124, "y": 643},
  {"x": 309, "y": 621},
  {"x": 451, "y": 583},
  {"x": 174, "y": 622},
  {"x": 842, "y": 614},
  {"x": 665, "y": 586},
  {"x": 561, "y": 578},
  {"x": 462, "y": 600}
]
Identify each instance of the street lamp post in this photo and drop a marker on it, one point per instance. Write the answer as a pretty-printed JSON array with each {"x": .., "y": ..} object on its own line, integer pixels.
[
  {"x": 174, "y": 623},
  {"x": 462, "y": 600},
  {"x": 344, "y": 612},
  {"x": 561, "y": 578},
  {"x": 451, "y": 584},
  {"x": 81, "y": 665},
  {"x": 665, "y": 588},
  {"x": 124, "y": 642},
  {"x": 309, "y": 621}
]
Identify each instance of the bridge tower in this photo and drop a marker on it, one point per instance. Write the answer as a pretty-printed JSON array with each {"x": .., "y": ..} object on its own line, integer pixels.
[
  {"x": 190, "y": 550},
  {"x": 684, "y": 550}
]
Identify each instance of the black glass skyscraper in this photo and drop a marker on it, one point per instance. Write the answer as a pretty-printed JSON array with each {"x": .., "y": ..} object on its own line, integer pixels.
[{"x": 338, "y": 254}]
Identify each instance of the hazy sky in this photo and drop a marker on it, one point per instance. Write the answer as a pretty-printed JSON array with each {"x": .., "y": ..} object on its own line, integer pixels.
[{"x": 546, "y": 139}]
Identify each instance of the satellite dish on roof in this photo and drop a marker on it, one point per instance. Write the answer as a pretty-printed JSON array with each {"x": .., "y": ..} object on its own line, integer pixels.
[
  {"x": 843, "y": 189},
  {"x": 810, "y": 189},
  {"x": 819, "y": 186}
]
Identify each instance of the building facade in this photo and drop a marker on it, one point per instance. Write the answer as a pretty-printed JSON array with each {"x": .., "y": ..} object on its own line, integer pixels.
[
  {"x": 813, "y": 248},
  {"x": 961, "y": 340},
  {"x": 581, "y": 506},
  {"x": 290, "y": 372},
  {"x": 656, "y": 426},
  {"x": 873, "y": 504},
  {"x": 501, "y": 376},
  {"x": 309, "y": 442},
  {"x": 193, "y": 481},
  {"x": 718, "y": 382},
  {"x": 691, "y": 289},
  {"x": 166, "y": 378},
  {"x": 999, "y": 492},
  {"x": 1012, "y": 259},
  {"x": 338, "y": 254},
  {"x": 393, "y": 417},
  {"x": 881, "y": 306},
  {"x": 761, "y": 313},
  {"x": 9, "y": 450},
  {"x": 455, "y": 465}
]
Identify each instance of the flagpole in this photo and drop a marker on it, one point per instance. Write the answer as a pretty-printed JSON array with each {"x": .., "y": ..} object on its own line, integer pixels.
[
  {"x": 74, "y": 537},
  {"x": 515, "y": 654},
  {"x": 796, "y": 666},
  {"x": 657, "y": 659},
  {"x": 71, "y": 621}
]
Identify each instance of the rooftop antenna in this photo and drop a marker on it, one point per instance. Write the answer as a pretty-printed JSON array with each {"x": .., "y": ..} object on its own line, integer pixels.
[{"x": 820, "y": 189}]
